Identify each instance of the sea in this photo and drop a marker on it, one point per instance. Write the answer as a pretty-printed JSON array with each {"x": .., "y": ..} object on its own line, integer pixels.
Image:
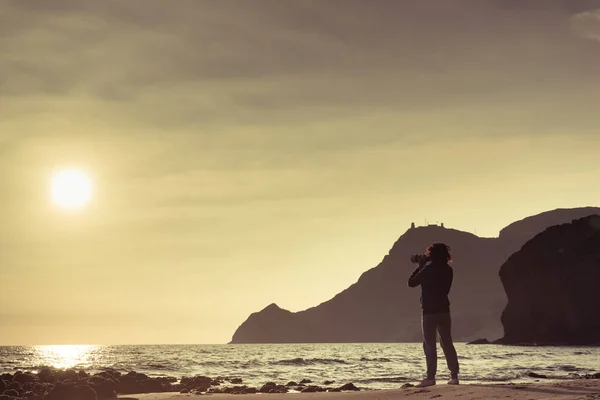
[{"x": 369, "y": 366}]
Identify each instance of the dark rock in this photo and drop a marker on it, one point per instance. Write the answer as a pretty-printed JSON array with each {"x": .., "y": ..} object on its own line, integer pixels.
[
  {"x": 68, "y": 375},
  {"x": 105, "y": 388},
  {"x": 480, "y": 341},
  {"x": 110, "y": 374},
  {"x": 407, "y": 385},
  {"x": 535, "y": 375},
  {"x": 235, "y": 381},
  {"x": 128, "y": 385},
  {"x": 328, "y": 382},
  {"x": 24, "y": 378},
  {"x": 552, "y": 287},
  {"x": 47, "y": 375},
  {"x": 250, "y": 390},
  {"x": 305, "y": 381},
  {"x": 349, "y": 387},
  {"x": 28, "y": 386},
  {"x": 42, "y": 388},
  {"x": 267, "y": 387},
  {"x": 14, "y": 385},
  {"x": 282, "y": 389},
  {"x": 184, "y": 391},
  {"x": 11, "y": 393},
  {"x": 140, "y": 383},
  {"x": 199, "y": 382},
  {"x": 591, "y": 376},
  {"x": 71, "y": 391},
  {"x": 239, "y": 388},
  {"x": 30, "y": 395},
  {"x": 336, "y": 390},
  {"x": 310, "y": 389},
  {"x": 349, "y": 316},
  {"x": 292, "y": 383}
]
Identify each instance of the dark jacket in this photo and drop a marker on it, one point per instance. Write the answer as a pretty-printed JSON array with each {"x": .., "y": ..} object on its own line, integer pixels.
[{"x": 435, "y": 279}]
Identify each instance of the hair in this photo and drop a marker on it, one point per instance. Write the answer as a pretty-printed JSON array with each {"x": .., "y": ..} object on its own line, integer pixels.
[{"x": 439, "y": 252}]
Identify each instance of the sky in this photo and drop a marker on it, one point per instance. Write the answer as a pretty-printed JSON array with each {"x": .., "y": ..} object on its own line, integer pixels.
[{"x": 250, "y": 152}]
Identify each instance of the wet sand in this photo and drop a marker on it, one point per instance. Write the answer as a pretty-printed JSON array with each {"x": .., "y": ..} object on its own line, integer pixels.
[{"x": 579, "y": 389}]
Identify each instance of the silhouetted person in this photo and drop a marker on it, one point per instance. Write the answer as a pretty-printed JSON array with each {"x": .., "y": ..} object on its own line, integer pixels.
[{"x": 435, "y": 277}]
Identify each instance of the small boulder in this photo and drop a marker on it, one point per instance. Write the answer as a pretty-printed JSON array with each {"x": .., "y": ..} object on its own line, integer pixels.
[
  {"x": 292, "y": 383},
  {"x": 480, "y": 341},
  {"x": 47, "y": 375},
  {"x": 267, "y": 387},
  {"x": 30, "y": 395},
  {"x": 305, "y": 381},
  {"x": 407, "y": 385},
  {"x": 14, "y": 385},
  {"x": 11, "y": 393},
  {"x": 349, "y": 387},
  {"x": 68, "y": 375},
  {"x": 281, "y": 389},
  {"x": 328, "y": 382},
  {"x": 71, "y": 391},
  {"x": 105, "y": 388},
  {"x": 24, "y": 378},
  {"x": 534, "y": 375}
]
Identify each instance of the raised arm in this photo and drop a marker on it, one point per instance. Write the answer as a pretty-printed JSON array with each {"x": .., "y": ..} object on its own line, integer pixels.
[{"x": 417, "y": 276}]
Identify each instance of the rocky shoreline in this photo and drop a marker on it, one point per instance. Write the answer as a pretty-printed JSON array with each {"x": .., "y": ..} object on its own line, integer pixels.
[{"x": 55, "y": 384}]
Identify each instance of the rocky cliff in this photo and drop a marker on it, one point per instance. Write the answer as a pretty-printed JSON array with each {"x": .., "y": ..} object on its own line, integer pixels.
[
  {"x": 552, "y": 287},
  {"x": 381, "y": 308}
]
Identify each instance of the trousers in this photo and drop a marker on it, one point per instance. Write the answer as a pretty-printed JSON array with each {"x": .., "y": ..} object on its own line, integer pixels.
[{"x": 442, "y": 324}]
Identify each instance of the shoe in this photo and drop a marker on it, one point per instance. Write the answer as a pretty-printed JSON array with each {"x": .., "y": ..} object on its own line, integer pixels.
[
  {"x": 426, "y": 383},
  {"x": 453, "y": 381}
]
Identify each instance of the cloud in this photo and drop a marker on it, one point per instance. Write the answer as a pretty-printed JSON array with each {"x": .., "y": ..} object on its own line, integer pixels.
[{"x": 587, "y": 24}]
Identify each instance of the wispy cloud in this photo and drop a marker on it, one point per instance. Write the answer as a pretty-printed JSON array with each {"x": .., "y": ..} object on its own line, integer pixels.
[{"x": 587, "y": 24}]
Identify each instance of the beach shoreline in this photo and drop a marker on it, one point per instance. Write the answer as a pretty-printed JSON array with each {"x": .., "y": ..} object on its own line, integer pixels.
[{"x": 572, "y": 389}]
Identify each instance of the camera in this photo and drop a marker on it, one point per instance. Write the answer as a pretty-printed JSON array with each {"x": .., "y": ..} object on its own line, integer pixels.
[{"x": 418, "y": 258}]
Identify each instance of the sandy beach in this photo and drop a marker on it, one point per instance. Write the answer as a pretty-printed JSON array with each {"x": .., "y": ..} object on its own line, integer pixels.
[{"x": 579, "y": 389}]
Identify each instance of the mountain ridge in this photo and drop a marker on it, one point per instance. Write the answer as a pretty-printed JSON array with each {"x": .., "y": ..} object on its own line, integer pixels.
[{"x": 379, "y": 307}]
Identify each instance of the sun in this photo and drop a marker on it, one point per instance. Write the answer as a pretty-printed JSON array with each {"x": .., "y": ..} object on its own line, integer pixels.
[{"x": 71, "y": 189}]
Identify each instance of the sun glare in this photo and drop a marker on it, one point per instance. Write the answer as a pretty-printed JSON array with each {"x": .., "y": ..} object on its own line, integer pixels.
[
  {"x": 71, "y": 189},
  {"x": 65, "y": 356}
]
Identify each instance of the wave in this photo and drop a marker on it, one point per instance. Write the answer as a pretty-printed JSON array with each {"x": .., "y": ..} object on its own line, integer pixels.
[
  {"x": 308, "y": 361},
  {"x": 503, "y": 356},
  {"x": 162, "y": 367},
  {"x": 569, "y": 368},
  {"x": 399, "y": 379}
]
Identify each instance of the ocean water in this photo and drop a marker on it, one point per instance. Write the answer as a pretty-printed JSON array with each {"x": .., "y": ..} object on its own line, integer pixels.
[{"x": 373, "y": 366}]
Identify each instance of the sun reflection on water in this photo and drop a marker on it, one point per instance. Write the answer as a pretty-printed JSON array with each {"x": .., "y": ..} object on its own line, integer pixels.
[{"x": 65, "y": 356}]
